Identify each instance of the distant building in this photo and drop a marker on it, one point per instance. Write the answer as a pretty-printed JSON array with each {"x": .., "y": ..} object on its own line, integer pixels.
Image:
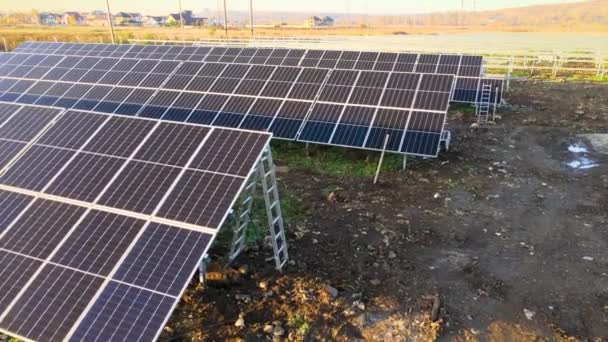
[
  {"x": 73, "y": 18},
  {"x": 128, "y": 19},
  {"x": 49, "y": 19},
  {"x": 315, "y": 21},
  {"x": 154, "y": 21},
  {"x": 97, "y": 18},
  {"x": 188, "y": 18}
]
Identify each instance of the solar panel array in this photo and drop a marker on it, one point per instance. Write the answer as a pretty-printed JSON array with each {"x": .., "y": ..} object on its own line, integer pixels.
[
  {"x": 104, "y": 218},
  {"x": 468, "y": 69},
  {"x": 356, "y": 108}
]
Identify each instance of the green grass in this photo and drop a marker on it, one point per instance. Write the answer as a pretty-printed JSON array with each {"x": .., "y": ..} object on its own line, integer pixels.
[
  {"x": 334, "y": 161},
  {"x": 299, "y": 324}
]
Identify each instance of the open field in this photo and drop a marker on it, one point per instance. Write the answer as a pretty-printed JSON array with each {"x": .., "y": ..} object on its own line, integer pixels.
[{"x": 500, "y": 233}]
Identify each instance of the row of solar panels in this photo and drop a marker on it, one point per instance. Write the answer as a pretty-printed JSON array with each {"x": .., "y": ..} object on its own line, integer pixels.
[
  {"x": 104, "y": 219},
  {"x": 337, "y": 107},
  {"x": 460, "y": 65},
  {"x": 468, "y": 69}
]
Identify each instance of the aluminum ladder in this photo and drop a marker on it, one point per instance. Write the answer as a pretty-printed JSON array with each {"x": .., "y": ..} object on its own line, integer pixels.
[
  {"x": 267, "y": 175},
  {"x": 483, "y": 107},
  {"x": 242, "y": 218}
]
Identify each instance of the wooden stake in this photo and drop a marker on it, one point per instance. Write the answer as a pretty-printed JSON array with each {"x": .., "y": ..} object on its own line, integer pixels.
[{"x": 381, "y": 159}]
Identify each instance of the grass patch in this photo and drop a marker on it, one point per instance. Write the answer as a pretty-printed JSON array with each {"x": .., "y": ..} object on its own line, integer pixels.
[
  {"x": 334, "y": 161},
  {"x": 299, "y": 324}
]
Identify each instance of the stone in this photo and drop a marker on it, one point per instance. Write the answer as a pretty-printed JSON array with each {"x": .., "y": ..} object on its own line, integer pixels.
[
  {"x": 268, "y": 329},
  {"x": 240, "y": 322},
  {"x": 375, "y": 282},
  {"x": 278, "y": 331},
  {"x": 263, "y": 285},
  {"x": 331, "y": 291},
  {"x": 392, "y": 255}
]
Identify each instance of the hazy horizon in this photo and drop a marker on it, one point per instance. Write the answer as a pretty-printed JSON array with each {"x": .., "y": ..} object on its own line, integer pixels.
[{"x": 311, "y": 6}]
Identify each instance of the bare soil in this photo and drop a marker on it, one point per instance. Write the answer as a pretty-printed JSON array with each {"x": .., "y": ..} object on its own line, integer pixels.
[{"x": 498, "y": 239}]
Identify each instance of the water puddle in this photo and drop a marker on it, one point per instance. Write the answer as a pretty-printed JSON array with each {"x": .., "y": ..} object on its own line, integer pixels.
[{"x": 579, "y": 158}]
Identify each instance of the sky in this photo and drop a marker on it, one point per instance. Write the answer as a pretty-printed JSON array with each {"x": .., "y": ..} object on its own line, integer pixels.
[{"x": 308, "y": 6}]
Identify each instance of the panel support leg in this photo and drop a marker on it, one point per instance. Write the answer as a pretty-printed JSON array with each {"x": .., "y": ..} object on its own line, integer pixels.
[
  {"x": 202, "y": 269},
  {"x": 267, "y": 175},
  {"x": 404, "y": 163},
  {"x": 381, "y": 158}
]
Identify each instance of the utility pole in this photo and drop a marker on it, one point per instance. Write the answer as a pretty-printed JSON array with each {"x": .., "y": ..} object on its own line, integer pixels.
[
  {"x": 251, "y": 15},
  {"x": 181, "y": 16},
  {"x": 110, "y": 22},
  {"x": 225, "y": 18}
]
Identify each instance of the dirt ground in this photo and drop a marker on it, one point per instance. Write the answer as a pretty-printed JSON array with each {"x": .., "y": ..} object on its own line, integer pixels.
[{"x": 496, "y": 240}]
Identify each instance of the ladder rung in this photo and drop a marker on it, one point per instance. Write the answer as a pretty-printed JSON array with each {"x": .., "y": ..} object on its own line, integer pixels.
[
  {"x": 274, "y": 204},
  {"x": 276, "y": 220},
  {"x": 270, "y": 189}
]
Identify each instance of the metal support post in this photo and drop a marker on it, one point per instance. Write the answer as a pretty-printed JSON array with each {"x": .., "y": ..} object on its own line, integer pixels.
[
  {"x": 251, "y": 15},
  {"x": 404, "y": 162},
  {"x": 381, "y": 158},
  {"x": 225, "y": 19},
  {"x": 267, "y": 175},
  {"x": 202, "y": 269},
  {"x": 110, "y": 22}
]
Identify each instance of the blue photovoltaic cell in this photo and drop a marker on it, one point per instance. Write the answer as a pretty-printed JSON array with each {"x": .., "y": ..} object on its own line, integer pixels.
[
  {"x": 51, "y": 304},
  {"x": 11, "y": 205},
  {"x": 163, "y": 258},
  {"x": 126, "y": 313},
  {"x": 18, "y": 269}
]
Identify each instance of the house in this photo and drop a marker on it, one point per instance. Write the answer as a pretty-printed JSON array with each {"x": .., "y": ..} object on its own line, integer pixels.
[
  {"x": 72, "y": 18},
  {"x": 97, "y": 18},
  {"x": 128, "y": 19},
  {"x": 49, "y": 19},
  {"x": 188, "y": 18},
  {"x": 154, "y": 21},
  {"x": 315, "y": 21}
]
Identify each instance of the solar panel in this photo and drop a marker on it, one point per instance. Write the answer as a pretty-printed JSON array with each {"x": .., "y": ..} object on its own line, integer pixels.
[
  {"x": 104, "y": 219},
  {"x": 458, "y": 65},
  {"x": 279, "y": 99}
]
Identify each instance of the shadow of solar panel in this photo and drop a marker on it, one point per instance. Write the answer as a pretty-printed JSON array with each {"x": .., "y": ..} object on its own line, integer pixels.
[
  {"x": 85, "y": 177},
  {"x": 113, "y": 100},
  {"x": 40, "y": 228},
  {"x": 164, "y": 258},
  {"x": 213, "y": 199},
  {"x": 207, "y": 109},
  {"x": 423, "y": 133},
  {"x": 46, "y": 300},
  {"x": 36, "y": 167},
  {"x": 261, "y": 114},
  {"x": 159, "y": 104},
  {"x": 98, "y": 242},
  {"x": 141, "y": 313},
  {"x": 289, "y": 119},
  {"x": 387, "y": 122},
  {"x": 135, "y": 102},
  {"x": 321, "y": 123},
  {"x": 421, "y": 143},
  {"x": 233, "y": 111},
  {"x": 354, "y": 126},
  {"x": 466, "y": 89}
]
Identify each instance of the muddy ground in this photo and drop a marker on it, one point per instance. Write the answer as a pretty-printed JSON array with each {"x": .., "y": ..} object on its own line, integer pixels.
[{"x": 498, "y": 239}]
